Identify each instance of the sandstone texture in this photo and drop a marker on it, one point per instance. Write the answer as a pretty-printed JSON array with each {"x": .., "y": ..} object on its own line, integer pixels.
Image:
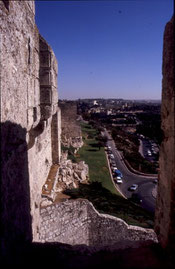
[
  {"x": 63, "y": 176},
  {"x": 165, "y": 208},
  {"x": 70, "y": 175},
  {"x": 76, "y": 222},
  {"x": 71, "y": 130},
  {"x": 33, "y": 170},
  {"x": 30, "y": 119}
]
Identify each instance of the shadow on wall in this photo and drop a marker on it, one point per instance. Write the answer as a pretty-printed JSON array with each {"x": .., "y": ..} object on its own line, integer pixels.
[{"x": 15, "y": 215}]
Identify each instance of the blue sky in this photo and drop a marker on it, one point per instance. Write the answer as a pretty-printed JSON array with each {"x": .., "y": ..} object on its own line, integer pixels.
[{"x": 106, "y": 49}]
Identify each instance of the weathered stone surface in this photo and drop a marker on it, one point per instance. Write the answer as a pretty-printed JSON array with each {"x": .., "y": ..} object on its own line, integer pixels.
[
  {"x": 30, "y": 131},
  {"x": 71, "y": 174},
  {"x": 165, "y": 208},
  {"x": 77, "y": 222},
  {"x": 71, "y": 130},
  {"x": 29, "y": 100}
]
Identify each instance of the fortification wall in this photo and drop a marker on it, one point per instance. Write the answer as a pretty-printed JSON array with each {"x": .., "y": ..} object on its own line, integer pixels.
[
  {"x": 30, "y": 118},
  {"x": 77, "y": 222},
  {"x": 30, "y": 144},
  {"x": 71, "y": 130}
]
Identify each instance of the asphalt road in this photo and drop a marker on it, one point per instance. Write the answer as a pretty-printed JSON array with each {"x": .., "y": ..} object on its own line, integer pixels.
[
  {"x": 145, "y": 145},
  {"x": 145, "y": 183}
]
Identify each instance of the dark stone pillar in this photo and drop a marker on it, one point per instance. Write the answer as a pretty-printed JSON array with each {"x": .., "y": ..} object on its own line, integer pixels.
[{"x": 165, "y": 207}]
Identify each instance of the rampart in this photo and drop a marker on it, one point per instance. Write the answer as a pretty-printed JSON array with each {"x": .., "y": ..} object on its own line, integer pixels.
[
  {"x": 30, "y": 119},
  {"x": 76, "y": 222}
]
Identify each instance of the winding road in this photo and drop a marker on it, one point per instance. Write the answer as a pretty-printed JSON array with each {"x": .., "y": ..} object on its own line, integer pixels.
[{"x": 145, "y": 183}]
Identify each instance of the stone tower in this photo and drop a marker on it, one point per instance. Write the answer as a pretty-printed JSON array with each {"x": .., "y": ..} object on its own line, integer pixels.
[{"x": 30, "y": 119}]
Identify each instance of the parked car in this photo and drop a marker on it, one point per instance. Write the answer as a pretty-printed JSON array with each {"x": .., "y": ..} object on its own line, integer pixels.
[
  {"x": 111, "y": 156},
  {"x": 118, "y": 180},
  {"x": 133, "y": 187},
  {"x": 149, "y": 153},
  {"x": 114, "y": 168},
  {"x": 155, "y": 181},
  {"x": 118, "y": 173}
]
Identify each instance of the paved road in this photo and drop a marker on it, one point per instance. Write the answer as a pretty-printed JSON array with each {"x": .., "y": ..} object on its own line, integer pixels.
[
  {"x": 145, "y": 145},
  {"x": 145, "y": 184}
]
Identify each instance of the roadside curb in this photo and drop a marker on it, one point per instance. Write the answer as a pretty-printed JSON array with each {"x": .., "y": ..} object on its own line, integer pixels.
[
  {"x": 128, "y": 166},
  {"x": 132, "y": 169}
]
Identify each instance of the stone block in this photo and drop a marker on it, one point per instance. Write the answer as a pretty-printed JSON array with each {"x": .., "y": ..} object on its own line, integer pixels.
[
  {"x": 45, "y": 95},
  {"x": 55, "y": 97},
  {"x": 30, "y": 118},
  {"x": 43, "y": 44},
  {"x": 54, "y": 63},
  {"x": 45, "y": 77},
  {"x": 45, "y": 59},
  {"x": 46, "y": 112},
  {"x": 31, "y": 6},
  {"x": 35, "y": 63},
  {"x": 54, "y": 79}
]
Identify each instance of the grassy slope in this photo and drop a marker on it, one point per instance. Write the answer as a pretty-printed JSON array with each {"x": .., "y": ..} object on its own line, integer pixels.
[
  {"x": 95, "y": 158},
  {"x": 103, "y": 194}
]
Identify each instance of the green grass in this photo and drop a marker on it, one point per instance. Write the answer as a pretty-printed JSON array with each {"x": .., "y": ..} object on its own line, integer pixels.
[
  {"x": 101, "y": 191},
  {"x": 95, "y": 157},
  {"x": 106, "y": 202}
]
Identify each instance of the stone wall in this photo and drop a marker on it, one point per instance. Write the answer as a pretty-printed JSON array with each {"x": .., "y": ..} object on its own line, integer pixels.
[
  {"x": 165, "y": 208},
  {"x": 30, "y": 119},
  {"x": 71, "y": 130},
  {"x": 30, "y": 144},
  {"x": 77, "y": 222}
]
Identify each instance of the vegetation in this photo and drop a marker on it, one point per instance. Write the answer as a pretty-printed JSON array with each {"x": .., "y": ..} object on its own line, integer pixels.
[
  {"x": 106, "y": 202},
  {"x": 149, "y": 119},
  {"x": 101, "y": 191},
  {"x": 151, "y": 122},
  {"x": 129, "y": 145},
  {"x": 94, "y": 155}
]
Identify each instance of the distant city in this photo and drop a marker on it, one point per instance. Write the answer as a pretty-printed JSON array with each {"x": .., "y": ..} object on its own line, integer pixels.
[{"x": 135, "y": 126}]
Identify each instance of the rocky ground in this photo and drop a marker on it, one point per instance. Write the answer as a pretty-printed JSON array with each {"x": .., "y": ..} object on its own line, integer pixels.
[{"x": 66, "y": 175}]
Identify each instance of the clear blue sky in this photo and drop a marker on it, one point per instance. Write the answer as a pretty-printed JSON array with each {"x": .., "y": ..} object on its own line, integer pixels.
[{"x": 106, "y": 49}]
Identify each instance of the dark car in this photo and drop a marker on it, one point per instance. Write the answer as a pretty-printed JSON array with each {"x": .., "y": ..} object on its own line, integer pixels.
[{"x": 117, "y": 173}]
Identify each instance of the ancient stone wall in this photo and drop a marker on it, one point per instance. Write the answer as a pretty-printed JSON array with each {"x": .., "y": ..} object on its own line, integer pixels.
[
  {"x": 165, "y": 209},
  {"x": 30, "y": 145},
  {"x": 77, "y": 222},
  {"x": 30, "y": 118},
  {"x": 71, "y": 130}
]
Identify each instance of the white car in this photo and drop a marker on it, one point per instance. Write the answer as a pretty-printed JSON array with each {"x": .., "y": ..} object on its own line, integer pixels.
[
  {"x": 111, "y": 156},
  {"x": 133, "y": 187},
  {"x": 114, "y": 169},
  {"x": 118, "y": 180},
  {"x": 149, "y": 153},
  {"x": 155, "y": 181}
]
